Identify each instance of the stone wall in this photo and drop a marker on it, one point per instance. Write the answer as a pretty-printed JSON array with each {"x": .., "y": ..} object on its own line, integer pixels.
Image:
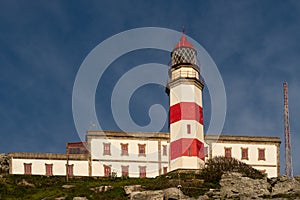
[{"x": 4, "y": 163}]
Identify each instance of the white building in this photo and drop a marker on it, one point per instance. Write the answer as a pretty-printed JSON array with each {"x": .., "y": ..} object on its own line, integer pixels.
[{"x": 152, "y": 154}]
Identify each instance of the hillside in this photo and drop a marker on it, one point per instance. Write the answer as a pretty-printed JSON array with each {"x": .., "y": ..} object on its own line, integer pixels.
[{"x": 232, "y": 186}]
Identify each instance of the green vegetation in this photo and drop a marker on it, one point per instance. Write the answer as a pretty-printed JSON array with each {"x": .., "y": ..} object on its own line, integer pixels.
[
  {"x": 218, "y": 165},
  {"x": 18, "y": 186}
]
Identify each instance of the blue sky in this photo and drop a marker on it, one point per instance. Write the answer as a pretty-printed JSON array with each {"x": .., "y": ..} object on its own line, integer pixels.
[{"x": 255, "y": 45}]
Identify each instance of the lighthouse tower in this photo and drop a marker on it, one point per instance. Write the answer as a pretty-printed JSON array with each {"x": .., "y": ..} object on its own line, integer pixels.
[{"x": 186, "y": 118}]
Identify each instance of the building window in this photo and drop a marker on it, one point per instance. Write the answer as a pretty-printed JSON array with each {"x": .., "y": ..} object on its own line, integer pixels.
[
  {"x": 106, "y": 149},
  {"x": 142, "y": 171},
  {"x": 27, "y": 168},
  {"x": 70, "y": 170},
  {"x": 261, "y": 154},
  {"x": 228, "y": 152},
  {"x": 206, "y": 151},
  {"x": 263, "y": 172},
  {"x": 49, "y": 169},
  {"x": 188, "y": 129},
  {"x": 125, "y": 171},
  {"x": 142, "y": 149},
  {"x": 244, "y": 152},
  {"x": 124, "y": 149},
  {"x": 165, "y": 170},
  {"x": 164, "y": 150},
  {"x": 107, "y": 170}
]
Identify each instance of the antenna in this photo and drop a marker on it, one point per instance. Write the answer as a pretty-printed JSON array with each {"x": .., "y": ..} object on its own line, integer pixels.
[{"x": 287, "y": 136}]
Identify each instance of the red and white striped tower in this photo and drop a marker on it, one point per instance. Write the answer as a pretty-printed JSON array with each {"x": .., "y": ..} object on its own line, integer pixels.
[{"x": 186, "y": 117}]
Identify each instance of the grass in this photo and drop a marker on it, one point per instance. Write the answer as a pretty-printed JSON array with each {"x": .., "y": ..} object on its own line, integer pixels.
[{"x": 51, "y": 187}]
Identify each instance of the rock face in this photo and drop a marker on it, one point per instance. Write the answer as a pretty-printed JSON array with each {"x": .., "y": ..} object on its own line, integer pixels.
[
  {"x": 285, "y": 186},
  {"x": 4, "y": 164},
  {"x": 233, "y": 185},
  {"x": 167, "y": 194}
]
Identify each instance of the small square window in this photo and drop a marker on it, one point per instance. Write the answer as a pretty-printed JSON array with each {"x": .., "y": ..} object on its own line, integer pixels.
[
  {"x": 124, "y": 149},
  {"x": 188, "y": 129},
  {"x": 70, "y": 170},
  {"x": 27, "y": 168},
  {"x": 142, "y": 149},
  {"x": 261, "y": 154},
  {"x": 206, "y": 151},
  {"x": 228, "y": 152},
  {"x": 49, "y": 169},
  {"x": 165, "y": 169},
  {"x": 106, "y": 149},
  {"x": 142, "y": 171},
  {"x": 164, "y": 150},
  {"x": 125, "y": 171},
  {"x": 244, "y": 152},
  {"x": 107, "y": 170}
]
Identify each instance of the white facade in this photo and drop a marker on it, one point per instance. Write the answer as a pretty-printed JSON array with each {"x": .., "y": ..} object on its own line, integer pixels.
[
  {"x": 262, "y": 153},
  {"x": 38, "y": 162},
  {"x": 156, "y": 158}
]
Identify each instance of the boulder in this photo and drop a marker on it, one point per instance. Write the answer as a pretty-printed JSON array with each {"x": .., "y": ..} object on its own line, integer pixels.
[
  {"x": 173, "y": 193},
  {"x": 102, "y": 188},
  {"x": 68, "y": 186},
  {"x": 25, "y": 183},
  {"x": 80, "y": 198},
  {"x": 147, "y": 195},
  {"x": 132, "y": 188}
]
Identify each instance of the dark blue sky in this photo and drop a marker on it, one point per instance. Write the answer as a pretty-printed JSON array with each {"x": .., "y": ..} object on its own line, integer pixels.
[{"x": 254, "y": 43}]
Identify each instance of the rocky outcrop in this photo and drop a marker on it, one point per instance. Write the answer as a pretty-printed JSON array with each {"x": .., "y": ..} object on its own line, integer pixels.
[
  {"x": 235, "y": 186},
  {"x": 167, "y": 194},
  {"x": 4, "y": 163},
  {"x": 132, "y": 188},
  {"x": 25, "y": 183},
  {"x": 285, "y": 186}
]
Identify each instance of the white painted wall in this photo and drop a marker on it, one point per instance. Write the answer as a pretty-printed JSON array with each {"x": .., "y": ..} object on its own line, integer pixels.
[
  {"x": 133, "y": 159},
  {"x": 185, "y": 72},
  {"x": 185, "y": 93},
  {"x": 59, "y": 166},
  {"x": 179, "y": 130},
  {"x": 133, "y": 170},
  {"x": 186, "y": 162},
  {"x": 218, "y": 149}
]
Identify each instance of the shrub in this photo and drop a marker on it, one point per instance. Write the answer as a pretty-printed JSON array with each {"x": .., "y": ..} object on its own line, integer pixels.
[{"x": 218, "y": 165}]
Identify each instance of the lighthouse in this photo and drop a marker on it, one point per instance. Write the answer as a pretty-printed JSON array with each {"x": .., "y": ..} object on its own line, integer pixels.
[{"x": 186, "y": 116}]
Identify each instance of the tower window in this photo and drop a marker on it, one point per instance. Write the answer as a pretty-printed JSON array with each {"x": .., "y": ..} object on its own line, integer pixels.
[
  {"x": 261, "y": 154},
  {"x": 124, "y": 149},
  {"x": 164, "y": 150},
  {"x": 106, "y": 149},
  {"x": 142, "y": 149},
  {"x": 188, "y": 129},
  {"x": 228, "y": 152},
  {"x": 27, "y": 168},
  {"x": 244, "y": 152}
]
